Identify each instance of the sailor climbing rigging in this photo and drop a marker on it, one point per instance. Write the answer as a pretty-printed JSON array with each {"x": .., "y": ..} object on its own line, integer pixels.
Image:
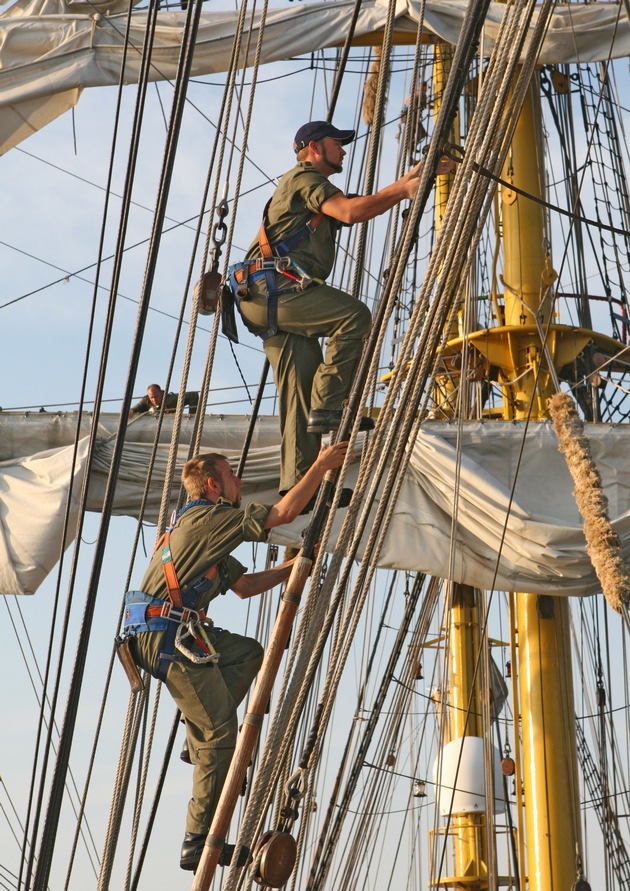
[
  {"x": 283, "y": 295},
  {"x": 210, "y": 676}
]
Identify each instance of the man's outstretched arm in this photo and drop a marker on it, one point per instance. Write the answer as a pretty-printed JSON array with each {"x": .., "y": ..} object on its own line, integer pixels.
[
  {"x": 252, "y": 583},
  {"x": 290, "y": 505},
  {"x": 361, "y": 208}
]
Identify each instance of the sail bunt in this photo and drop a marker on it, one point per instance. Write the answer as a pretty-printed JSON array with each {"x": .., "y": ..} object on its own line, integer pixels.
[{"x": 518, "y": 527}]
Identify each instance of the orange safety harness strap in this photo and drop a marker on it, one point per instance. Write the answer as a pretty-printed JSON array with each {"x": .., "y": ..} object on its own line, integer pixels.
[{"x": 188, "y": 600}]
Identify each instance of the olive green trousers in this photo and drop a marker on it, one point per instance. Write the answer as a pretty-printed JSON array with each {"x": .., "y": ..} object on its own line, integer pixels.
[
  {"x": 208, "y": 696},
  {"x": 306, "y": 379}
]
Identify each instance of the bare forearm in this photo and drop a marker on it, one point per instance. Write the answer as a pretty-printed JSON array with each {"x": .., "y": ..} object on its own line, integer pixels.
[
  {"x": 360, "y": 208},
  {"x": 290, "y": 505},
  {"x": 256, "y": 582},
  {"x": 366, "y": 207}
]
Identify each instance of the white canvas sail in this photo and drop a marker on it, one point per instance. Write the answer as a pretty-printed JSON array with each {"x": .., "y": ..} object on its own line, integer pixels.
[{"x": 506, "y": 537}]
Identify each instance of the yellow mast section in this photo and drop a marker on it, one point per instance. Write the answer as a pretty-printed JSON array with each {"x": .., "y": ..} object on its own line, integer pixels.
[{"x": 545, "y": 675}]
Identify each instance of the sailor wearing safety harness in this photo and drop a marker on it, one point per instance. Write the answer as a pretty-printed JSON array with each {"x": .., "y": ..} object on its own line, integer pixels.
[
  {"x": 283, "y": 297},
  {"x": 206, "y": 669}
]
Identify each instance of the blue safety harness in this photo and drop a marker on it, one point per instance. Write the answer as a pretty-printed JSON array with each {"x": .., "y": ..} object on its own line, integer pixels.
[
  {"x": 143, "y": 612},
  {"x": 274, "y": 261}
]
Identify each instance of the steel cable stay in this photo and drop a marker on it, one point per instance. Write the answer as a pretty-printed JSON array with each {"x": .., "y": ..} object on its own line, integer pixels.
[
  {"x": 44, "y": 861},
  {"x": 55, "y": 797},
  {"x": 218, "y": 147}
]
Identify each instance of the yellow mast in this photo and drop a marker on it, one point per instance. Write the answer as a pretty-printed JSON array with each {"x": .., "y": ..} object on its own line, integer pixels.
[
  {"x": 545, "y": 675},
  {"x": 526, "y": 347}
]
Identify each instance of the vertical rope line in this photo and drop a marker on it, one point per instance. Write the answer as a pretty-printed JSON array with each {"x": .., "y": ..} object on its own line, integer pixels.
[
  {"x": 135, "y": 714},
  {"x": 46, "y": 842},
  {"x": 142, "y": 781},
  {"x": 375, "y": 136},
  {"x": 50, "y": 827}
]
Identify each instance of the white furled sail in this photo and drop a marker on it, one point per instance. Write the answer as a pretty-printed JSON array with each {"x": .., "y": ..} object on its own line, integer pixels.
[{"x": 506, "y": 537}]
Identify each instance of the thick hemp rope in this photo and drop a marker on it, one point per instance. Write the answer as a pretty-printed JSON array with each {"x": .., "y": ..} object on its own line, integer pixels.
[{"x": 602, "y": 542}]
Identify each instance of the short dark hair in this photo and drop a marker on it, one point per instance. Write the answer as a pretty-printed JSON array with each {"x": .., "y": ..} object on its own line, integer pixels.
[{"x": 195, "y": 472}]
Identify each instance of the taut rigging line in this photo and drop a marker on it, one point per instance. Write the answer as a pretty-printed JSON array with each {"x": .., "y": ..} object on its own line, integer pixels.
[
  {"x": 219, "y": 146},
  {"x": 51, "y": 823}
]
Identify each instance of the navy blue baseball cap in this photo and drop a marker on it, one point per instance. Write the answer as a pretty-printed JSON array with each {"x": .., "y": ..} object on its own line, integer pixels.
[{"x": 315, "y": 130}]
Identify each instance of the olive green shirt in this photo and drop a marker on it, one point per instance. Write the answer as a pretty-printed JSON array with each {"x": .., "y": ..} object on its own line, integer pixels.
[
  {"x": 299, "y": 196},
  {"x": 204, "y": 536},
  {"x": 170, "y": 403}
]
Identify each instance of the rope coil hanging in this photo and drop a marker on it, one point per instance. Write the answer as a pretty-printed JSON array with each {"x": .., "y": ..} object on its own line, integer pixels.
[{"x": 602, "y": 542}]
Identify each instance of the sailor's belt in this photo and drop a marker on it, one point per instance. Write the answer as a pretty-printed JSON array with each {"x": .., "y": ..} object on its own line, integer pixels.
[
  {"x": 277, "y": 264},
  {"x": 169, "y": 611}
]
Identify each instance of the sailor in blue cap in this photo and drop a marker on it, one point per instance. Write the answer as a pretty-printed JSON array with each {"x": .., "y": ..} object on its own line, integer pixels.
[{"x": 284, "y": 298}]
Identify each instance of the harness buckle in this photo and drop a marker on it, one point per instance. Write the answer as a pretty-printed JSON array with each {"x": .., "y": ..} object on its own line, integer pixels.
[
  {"x": 305, "y": 280},
  {"x": 182, "y": 616},
  {"x": 281, "y": 264}
]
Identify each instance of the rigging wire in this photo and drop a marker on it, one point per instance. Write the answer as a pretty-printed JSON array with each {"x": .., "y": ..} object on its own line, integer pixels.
[
  {"x": 50, "y": 826},
  {"x": 46, "y": 860}
]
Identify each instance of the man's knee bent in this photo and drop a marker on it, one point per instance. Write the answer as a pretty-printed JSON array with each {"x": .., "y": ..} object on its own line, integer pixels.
[{"x": 365, "y": 318}]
